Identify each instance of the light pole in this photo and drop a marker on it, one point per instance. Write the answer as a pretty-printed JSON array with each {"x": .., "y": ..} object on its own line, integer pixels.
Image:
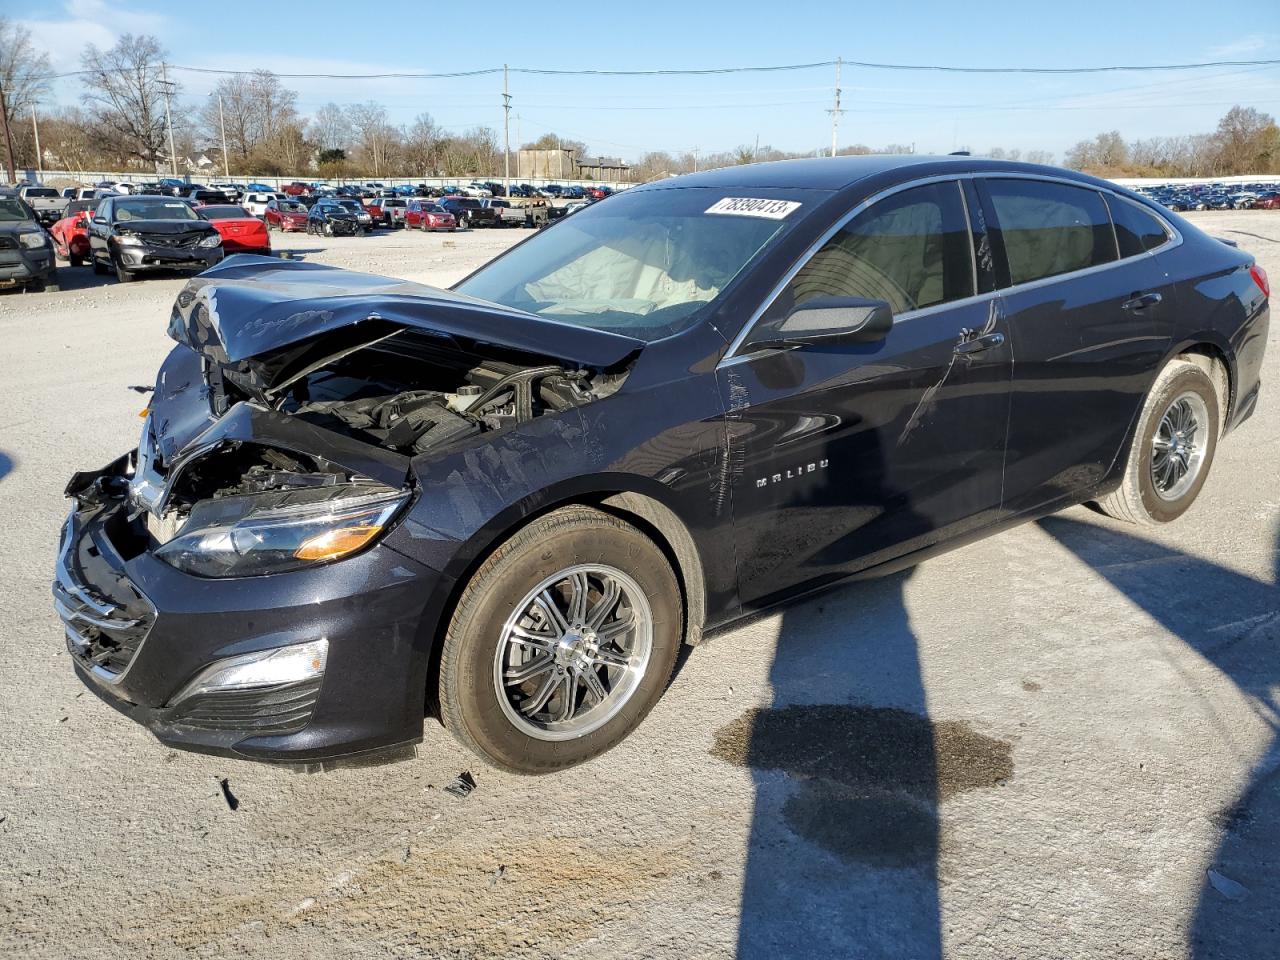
[
  {"x": 8, "y": 136},
  {"x": 35, "y": 130},
  {"x": 506, "y": 134},
  {"x": 168, "y": 117},
  {"x": 222, "y": 123}
]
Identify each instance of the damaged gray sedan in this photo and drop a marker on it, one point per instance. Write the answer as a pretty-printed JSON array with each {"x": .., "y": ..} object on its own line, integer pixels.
[{"x": 359, "y": 503}]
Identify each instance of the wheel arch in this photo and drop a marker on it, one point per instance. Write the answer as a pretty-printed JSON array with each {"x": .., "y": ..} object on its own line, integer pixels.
[{"x": 640, "y": 501}]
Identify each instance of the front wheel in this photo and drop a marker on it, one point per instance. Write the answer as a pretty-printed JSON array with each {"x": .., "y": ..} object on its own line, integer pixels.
[
  {"x": 123, "y": 275},
  {"x": 561, "y": 643},
  {"x": 1173, "y": 448}
]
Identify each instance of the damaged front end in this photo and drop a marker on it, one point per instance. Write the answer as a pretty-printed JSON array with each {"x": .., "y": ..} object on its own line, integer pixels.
[{"x": 198, "y": 576}]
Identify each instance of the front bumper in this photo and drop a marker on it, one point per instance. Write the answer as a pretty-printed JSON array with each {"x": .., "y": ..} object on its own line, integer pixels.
[
  {"x": 138, "y": 630},
  {"x": 18, "y": 266},
  {"x": 138, "y": 257}
]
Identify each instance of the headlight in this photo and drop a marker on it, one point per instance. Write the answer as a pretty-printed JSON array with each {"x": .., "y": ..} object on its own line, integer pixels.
[
  {"x": 245, "y": 536},
  {"x": 129, "y": 240},
  {"x": 32, "y": 240},
  {"x": 213, "y": 240},
  {"x": 263, "y": 668}
]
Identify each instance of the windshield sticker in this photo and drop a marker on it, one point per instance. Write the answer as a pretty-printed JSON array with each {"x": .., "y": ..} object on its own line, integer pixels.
[{"x": 754, "y": 207}]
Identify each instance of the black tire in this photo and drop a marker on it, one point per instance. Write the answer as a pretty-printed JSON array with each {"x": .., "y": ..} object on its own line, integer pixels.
[
  {"x": 328, "y": 229},
  {"x": 51, "y": 284},
  {"x": 77, "y": 261},
  {"x": 123, "y": 275},
  {"x": 98, "y": 267},
  {"x": 468, "y": 696},
  {"x": 1137, "y": 499}
]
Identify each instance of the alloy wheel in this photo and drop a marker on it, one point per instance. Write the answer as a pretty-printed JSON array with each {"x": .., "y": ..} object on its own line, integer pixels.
[
  {"x": 573, "y": 652},
  {"x": 1178, "y": 446}
]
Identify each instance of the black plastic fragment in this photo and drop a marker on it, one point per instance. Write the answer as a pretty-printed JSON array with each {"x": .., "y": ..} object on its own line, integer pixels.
[
  {"x": 461, "y": 785},
  {"x": 227, "y": 795}
]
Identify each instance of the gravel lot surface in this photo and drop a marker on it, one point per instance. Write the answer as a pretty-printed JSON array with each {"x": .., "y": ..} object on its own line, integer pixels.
[{"x": 1060, "y": 742}]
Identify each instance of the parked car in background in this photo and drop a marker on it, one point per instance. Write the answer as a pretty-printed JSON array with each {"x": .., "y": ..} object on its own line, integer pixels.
[
  {"x": 1268, "y": 200},
  {"x": 232, "y": 191},
  {"x": 26, "y": 250},
  {"x": 133, "y": 235},
  {"x": 469, "y": 213},
  {"x": 517, "y": 212},
  {"x": 330, "y": 218},
  {"x": 297, "y": 188},
  {"x": 241, "y": 231},
  {"x": 364, "y": 220},
  {"x": 256, "y": 202},
  {"x": 285, "y": 215},
  {"x": 428, "y": 215},
  {"x": 71, "y": 233},
  {"x": 199, "y": 194},
  {"x": 388, "y": 211},
  {"x": 45, "y": 202}
]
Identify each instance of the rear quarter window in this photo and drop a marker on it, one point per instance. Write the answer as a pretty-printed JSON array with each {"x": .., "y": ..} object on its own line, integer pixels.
[
  {"x": 1137, "y": 231},
  {"x": 1049, "y": 228}
]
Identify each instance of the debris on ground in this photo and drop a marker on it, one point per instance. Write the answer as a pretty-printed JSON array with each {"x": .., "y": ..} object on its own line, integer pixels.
[
  {"x": 498, "y": 874},
  {"x": 227, "y": 795},
  {"x": 1229, "y": 888},
  {"x": 461, "y": 785},
  {"x": 139, "y": 388}
]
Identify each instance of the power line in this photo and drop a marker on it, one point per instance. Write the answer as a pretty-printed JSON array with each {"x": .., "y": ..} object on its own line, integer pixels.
[{"x": 716, "y": 71}]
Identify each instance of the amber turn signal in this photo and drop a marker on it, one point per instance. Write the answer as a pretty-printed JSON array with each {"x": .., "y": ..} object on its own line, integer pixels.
[{"x": 336, "y": 543}]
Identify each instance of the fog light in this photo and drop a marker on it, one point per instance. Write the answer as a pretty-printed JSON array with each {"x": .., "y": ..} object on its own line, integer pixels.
[{"x": 263, "y": 668}]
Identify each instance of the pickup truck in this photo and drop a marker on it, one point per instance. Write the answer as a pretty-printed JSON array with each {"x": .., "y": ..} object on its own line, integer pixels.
[
  {"x": 46, "y": 202},
  {"x": 26, "y": 251},
  {"x": 518, "y": 211}
]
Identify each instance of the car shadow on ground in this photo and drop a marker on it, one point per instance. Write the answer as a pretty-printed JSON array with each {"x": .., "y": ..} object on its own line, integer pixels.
[
  {"x": 1232, "y": 620},
  {"x": 842, "y": 854}
]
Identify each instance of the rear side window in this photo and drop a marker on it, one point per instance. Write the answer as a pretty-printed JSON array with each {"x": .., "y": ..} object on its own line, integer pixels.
[
  {"x": 1136, "y": 230},
  {"x": 1051, "y": 228},
  {"x": 911, "y": 250}
]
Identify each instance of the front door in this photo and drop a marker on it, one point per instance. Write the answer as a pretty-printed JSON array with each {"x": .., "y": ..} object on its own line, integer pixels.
[{"x": 844, "y": 457}]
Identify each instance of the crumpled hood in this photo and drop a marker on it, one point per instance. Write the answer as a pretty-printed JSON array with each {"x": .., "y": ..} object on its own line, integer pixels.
[
  {"x": 248, "y": 306},
  {"x": 164, "y": 226}
]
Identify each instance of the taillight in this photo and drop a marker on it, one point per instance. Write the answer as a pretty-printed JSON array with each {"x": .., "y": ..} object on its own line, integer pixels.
[{"x": 1260, "y": 278}]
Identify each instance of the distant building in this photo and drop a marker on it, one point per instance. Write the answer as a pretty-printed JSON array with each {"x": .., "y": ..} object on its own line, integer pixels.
[{"x": 566, "y": 165}]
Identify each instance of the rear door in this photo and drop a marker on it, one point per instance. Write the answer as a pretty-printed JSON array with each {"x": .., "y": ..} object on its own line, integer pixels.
[
  {"x": 843, "y": 457},
  {"x": 1086, "y": 332}
]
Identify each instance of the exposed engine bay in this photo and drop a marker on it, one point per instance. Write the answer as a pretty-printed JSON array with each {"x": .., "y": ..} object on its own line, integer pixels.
[{"x": 406, "y": 390}]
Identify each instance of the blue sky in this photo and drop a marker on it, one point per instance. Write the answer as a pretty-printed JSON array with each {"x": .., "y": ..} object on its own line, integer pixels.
[{"x": 935, "y": 112}]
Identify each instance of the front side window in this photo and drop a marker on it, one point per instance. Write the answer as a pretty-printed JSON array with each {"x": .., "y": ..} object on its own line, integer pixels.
[
  {"x": 1050, "y": 228},
  {"x": 1136, "y": 230},
  {"x": 911, "y": 250}
]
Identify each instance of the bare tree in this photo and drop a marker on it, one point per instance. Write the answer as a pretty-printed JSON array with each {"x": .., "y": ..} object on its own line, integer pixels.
[
  {"x": 122, "y": 87},
  {"x": 252, "y": 107},
  {"x": 422, "y": 145},
  {"x": 24, "y": 78},
  {"x": 1248, "y": 141},
  {"x": 330, "y": 128}
]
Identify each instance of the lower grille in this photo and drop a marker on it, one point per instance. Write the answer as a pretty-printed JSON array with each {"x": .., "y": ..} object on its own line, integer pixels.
[
  {"x": 264, "y": 710},
  {"x": 106, "y": 622}
]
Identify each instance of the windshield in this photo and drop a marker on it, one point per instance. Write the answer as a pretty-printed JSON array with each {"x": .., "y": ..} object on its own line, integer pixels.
[
  {"x": 143, "y": 209},
  {"x": 642, "y": 264},
  {"x": 12, "y": 208},
  {"x": 291, "y": 206}
]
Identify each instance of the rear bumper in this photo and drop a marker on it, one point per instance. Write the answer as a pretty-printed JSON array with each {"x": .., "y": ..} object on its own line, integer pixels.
[{"x": 139, "y": 630}]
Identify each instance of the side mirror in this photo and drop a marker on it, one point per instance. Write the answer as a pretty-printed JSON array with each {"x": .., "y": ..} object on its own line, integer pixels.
[
  {"x": 828, "y": 321},
  {"x": 99, "y": 219}
]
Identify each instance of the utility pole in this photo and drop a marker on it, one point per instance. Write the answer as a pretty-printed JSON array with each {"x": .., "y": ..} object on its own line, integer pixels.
[
  {"x": 506, "y": 133},
  {"x": 222, "y": 123},
  {"x": 8, "y": 136},
  {"x": 35, "y": 129},
  {"x": 695, "y": 159},
  {"x": 755, "y": 154},
  {"x": 836, "y": 111},
  {"x": 168, "y": 116}
]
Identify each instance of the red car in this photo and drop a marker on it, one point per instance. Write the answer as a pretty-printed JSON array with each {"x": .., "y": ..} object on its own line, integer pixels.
[
  {"x": 241, "y": 231},
  {"x": 297, "y": 188},
  {"x": 285, "y": 215},
  {"x": 1267, "y": 201},
  {"x": 428, "y": 215},
  {"x": 71, "y": 233}
]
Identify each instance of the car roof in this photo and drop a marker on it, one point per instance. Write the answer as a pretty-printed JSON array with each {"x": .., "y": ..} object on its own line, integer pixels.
[{"x": 836, "y": 173}]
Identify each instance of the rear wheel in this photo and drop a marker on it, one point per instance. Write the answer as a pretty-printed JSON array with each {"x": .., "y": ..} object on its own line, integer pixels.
[
  {"x": 1173, "y": 447},
  {"x": 561, "y": 643}
]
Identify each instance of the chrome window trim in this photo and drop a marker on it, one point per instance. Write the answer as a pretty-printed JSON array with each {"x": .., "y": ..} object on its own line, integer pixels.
[{"x": 731, "y": 355}]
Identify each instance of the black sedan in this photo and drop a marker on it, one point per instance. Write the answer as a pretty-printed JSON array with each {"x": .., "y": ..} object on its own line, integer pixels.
[
  {"x": 358, "y": 502},
  {"x": 141, "y": 234},
  {"x": 331, "y": 217}
]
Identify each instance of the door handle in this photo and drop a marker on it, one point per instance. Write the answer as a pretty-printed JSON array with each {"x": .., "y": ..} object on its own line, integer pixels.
[
  {"x": 1142, "y": 301},
  {"x": 978, "y": 344}
]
